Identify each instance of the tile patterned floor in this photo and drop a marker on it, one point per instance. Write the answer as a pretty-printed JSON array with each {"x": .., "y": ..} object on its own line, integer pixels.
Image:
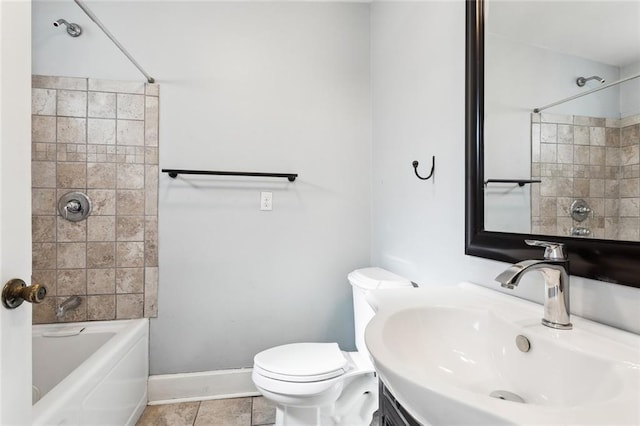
[
  {"x": 219, "y": 412},
  {"x": 251, "y": 411}
]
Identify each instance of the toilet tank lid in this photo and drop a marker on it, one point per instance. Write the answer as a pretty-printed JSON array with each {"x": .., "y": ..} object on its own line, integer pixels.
[{"x": 377, "y": 278}]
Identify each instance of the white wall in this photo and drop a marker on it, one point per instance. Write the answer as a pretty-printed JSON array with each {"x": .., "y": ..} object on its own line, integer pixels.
[
  {"x": 418, "y": 99},
  {"x": 280, "y": 87},
  {"x": 629, "y": 99}
]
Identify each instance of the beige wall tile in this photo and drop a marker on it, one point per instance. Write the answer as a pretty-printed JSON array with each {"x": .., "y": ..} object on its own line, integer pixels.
[
  {"x": 630, "y": 135},
  {"x": 612, "y": 207},
  {"x": 130, "y": 228},
  {"x": 101, "y": 255},
  {"x": 151, "y": 241},
  {"x": 43, "y": 174},
  {"x": 101, "y": 228},
  {"x": 71, "y": 255},
  {"x": 100, "y": 85},
  {"x": 65, "y": 83},
  {"x": 152, "y": 89},
  {"x": 581, "y": 135},
  {"x": 72, "y": 103},
  {"x": 565, "y": 134},
  {"x": 612, "y": 188},
  {"x": 43, "y": 102},
  {"x": 629, "y": 207},
  {"x": 597, "y": 136},
  {"x": 130, "y": 254},
  {"x": 151, "y": 155},
  {"x": 596, "y": 187},
  {"x": 612, "y": 137},
  {"x": 130, "y": 202},
  {"x": 101, "y": 175},
  {"x": 103, "y": 201},
  {"x": 129, "y": 280},
  {"x": 101, "y": 308},
  {"x": 150, "y": 292},
  {"x": 101, "y": 281},
  {"x": 130, "y": 132},
  {"x": 71, "y": 130},
  {"x": 43, "y": 151},
  {"x": 581, "y": 187},
  {"x": 130, "y": 176},
  {"x": 581, "y": 155},
  {"x": 580, "y": 120},
  {"x": 43, "y": 129},
  {"x": 548, "y": 133},
  {"x": 630, "y": 155},
  {"x": 548, "y": 153},
  {"x": 130, "y": 107},
  {"x": 102, "y": 105},
  {"x": 43, "y": 201},
  {"x": 565, "y": 154},
  {"x": 45, "y": 312},
  {"x": 629, "y": 228},
  {"x": 101, "y": 131},
  {"x": 71, "y": 175},
  {"x": 72, "y": 282},
  {"x": 596, "y": 155},
  {"x": 151, "y": 190},
  {"x": 43, "y": 256},
  {"x": 129, "y": 306},
  {"x": 152, "y": 118},
  {"x": 46, "y": 278},
  {"x": 71, "y": 231},
  {"x": 612, "y": 156}
]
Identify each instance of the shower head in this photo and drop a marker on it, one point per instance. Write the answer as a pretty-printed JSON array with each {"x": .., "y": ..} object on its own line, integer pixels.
[
  {"x": 73, "y": 30},
  {"x": 581, "y": 81}
]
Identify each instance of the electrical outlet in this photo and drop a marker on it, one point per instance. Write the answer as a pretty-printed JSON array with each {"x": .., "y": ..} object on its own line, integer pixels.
[{"x": 266, "y": 201}]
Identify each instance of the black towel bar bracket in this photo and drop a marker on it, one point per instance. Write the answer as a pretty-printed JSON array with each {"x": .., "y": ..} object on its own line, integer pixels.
[
  {"x": 520, "y": 182},
  {"x": 433, "y": 166},
  {"x": 173, "y": 173}
]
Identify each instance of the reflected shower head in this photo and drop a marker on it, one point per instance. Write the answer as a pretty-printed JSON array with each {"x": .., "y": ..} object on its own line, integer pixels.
[
  {"x": 581, "y": 81},
  {"x": 73, "y": 30}
]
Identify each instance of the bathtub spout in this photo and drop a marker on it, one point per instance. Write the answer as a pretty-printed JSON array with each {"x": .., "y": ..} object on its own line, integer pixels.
[{"x": 71, "y": 303}]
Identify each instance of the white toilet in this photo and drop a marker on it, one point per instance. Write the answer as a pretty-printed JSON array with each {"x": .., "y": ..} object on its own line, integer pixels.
[{"x": 317, "y": 383}]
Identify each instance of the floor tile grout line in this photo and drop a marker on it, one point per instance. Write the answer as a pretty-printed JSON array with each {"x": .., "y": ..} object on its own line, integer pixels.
[{"x": 195, "y": 418}]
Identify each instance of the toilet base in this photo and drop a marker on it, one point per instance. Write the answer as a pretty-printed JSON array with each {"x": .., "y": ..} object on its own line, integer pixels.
[{"x": 355, "y": 406}]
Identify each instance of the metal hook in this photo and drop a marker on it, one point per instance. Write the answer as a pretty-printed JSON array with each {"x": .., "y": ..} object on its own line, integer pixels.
[{"x": 433, "y": 166}]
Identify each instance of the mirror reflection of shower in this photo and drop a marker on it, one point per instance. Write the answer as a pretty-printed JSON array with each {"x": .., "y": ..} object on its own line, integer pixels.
[{"x": 74, "y": 30}]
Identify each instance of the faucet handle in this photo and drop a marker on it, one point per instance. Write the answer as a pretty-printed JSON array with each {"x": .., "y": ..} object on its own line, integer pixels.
[{"x": 552, "y": 250}]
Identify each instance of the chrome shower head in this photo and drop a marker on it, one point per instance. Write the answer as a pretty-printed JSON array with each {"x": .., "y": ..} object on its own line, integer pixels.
[
  {"x": 581, "y": 81},
  {"x": 74, "y": 30}
]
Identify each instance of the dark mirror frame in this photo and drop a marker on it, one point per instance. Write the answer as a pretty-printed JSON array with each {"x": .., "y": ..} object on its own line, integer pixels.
[{"x": 604, "y": 260}]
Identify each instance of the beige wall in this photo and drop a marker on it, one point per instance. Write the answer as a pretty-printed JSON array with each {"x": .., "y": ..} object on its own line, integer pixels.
[{"x": 99, "y": 137}]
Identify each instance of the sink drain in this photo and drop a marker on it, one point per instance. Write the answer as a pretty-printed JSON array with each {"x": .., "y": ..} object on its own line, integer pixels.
[{"x": 506, "y": 396}]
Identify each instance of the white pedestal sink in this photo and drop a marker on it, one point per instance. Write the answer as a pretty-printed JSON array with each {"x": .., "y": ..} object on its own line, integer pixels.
[{"x": 443, "y": 351}]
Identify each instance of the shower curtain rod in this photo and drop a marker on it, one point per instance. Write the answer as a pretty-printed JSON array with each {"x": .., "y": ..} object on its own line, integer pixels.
[
  {"x": 597, "y": 89},
  {"x": 95, "y": 19}
]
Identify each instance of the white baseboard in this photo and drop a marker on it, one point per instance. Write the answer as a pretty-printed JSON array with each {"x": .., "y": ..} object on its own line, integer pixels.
[{"x": 185, "y": 387}]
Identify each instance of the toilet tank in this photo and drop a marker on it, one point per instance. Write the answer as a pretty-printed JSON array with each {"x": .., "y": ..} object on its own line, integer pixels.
[{"x": 362, "y": 281}]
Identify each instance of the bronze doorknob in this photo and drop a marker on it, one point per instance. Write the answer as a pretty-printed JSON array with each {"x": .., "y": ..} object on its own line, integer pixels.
[{"x": 16, "y": 291}]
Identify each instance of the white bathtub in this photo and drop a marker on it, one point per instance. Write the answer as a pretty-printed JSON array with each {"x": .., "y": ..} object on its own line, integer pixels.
[{"x": 97, "y": 376}]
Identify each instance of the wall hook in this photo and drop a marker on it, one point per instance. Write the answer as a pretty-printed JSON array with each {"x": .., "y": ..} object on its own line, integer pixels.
[{"x": 433, "y": 166}]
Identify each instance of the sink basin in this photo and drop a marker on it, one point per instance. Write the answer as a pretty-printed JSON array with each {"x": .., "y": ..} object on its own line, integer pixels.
[{"x": 443, "y": 351}]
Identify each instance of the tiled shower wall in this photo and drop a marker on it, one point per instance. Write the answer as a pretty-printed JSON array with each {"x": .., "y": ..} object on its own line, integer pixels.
[
  {"x": 99, "y": 137},
  {"x": 589, "y": 158}
]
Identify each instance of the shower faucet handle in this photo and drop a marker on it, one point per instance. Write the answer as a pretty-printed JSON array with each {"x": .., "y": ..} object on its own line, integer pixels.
[{"x": 552, "y": 250}]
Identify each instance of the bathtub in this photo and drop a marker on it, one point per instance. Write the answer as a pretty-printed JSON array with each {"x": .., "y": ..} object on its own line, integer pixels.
[{"x": 90, "y": 373}]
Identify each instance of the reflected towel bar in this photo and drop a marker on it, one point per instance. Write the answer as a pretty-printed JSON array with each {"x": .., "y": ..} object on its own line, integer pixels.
[
  {"x": 175, "y": 172},
  {"x": 520, "y": 182}
]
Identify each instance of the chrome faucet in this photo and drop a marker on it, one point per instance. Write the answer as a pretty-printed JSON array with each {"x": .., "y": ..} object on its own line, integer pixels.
[
  {"x": 68, "y": 305},
  {"x": 555, "y": 270}
]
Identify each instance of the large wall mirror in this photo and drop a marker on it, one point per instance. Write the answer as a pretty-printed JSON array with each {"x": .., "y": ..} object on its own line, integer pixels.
[{"x": 553, "y": 132}]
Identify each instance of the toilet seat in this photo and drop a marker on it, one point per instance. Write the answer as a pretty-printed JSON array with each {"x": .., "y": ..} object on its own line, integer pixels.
[{"x": 301, "y": 362}]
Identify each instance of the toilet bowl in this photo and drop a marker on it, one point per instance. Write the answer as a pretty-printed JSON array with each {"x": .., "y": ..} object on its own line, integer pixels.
[{"x": 317, "y": 383}]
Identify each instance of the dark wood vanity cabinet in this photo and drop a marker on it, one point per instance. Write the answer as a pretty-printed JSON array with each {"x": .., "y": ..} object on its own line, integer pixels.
[{"x": 391, "y": 412}]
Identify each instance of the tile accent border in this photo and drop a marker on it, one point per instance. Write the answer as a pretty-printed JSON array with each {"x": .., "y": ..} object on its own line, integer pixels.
[{"x": 99, "y": 137}]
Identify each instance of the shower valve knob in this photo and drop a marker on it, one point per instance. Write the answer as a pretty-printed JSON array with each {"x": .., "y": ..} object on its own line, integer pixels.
[{"x": 16, "y": 291}]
